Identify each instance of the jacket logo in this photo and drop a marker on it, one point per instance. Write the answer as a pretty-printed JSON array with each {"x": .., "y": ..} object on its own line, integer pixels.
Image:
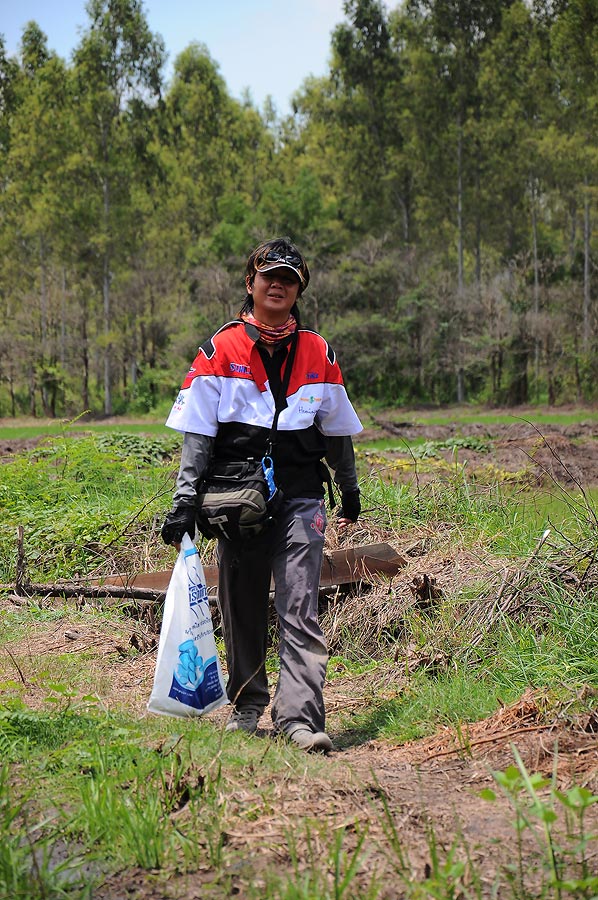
[
  {"x": 313, "y": 376},
  {"x": 311, "y": 399},
  {"x": 240, "y": 369}
]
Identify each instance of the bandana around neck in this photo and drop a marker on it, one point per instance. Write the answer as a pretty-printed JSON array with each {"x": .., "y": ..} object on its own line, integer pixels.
[{"x": 272, "y": 334}]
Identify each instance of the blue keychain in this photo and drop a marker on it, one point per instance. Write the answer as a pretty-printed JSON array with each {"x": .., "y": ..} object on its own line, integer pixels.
[{"x": 268, "y": 470}]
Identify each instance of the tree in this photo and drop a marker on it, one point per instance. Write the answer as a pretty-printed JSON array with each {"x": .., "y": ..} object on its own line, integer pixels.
[
  {"x": 575, "y": 47},
  {"x": 117, "y": 61},
  {"x": 517, "y": 104},
  {"x": 369, "y": 96},
  {"x": 32, "y": 207}
]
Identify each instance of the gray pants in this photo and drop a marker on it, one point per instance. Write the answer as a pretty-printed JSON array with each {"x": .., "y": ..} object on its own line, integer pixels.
[{"x": 290, "y": 554}]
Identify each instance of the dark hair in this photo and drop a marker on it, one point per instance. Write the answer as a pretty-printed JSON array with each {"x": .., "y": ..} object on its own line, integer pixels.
[{"x": 285, "y": 247}]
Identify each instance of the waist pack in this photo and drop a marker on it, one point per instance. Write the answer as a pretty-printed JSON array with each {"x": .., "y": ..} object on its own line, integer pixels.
[{"x": 235, "y": 501}]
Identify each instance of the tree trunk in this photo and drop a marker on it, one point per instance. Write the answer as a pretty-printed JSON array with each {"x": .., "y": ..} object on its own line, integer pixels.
[
  {"x": 13, "y": 400},
  {"x": 536, "y": 292},
  {"x": 550, "y": 372},
  {"x": 107, "y": 311},
  {"x": 63, "y": 309},
  {"x": 43, "y": 298},
  {"x": 478, "y": 225},
  {"x": 573, "y": 232},
  {"x": 460, "y": 385},
  {"x": 43, "y": 309},
  {"x": 586, "y": 267},
  {"x": 85, "y": 361},
  {"x": 460, "y": 277}
]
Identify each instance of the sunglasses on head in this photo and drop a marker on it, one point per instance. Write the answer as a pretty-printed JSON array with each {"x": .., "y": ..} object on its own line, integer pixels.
[{"x": 274, "y": 256}]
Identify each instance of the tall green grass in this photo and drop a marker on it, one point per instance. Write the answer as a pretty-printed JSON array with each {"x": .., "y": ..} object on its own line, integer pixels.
[{"x": 78, "y": 499}]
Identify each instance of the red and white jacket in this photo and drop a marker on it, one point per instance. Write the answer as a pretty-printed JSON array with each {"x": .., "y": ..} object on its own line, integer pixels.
[
  {"x": 227, "y": 383},
  {"x": 227, "y": 396}
]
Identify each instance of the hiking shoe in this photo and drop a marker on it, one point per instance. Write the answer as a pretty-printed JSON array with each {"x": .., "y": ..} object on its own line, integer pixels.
[
  {"x": 311, "y": 740},
  {"x": 243, "y": 720}
]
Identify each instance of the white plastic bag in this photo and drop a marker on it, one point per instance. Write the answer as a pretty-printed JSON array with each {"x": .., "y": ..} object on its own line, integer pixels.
[{"x": 188, "y": 679}]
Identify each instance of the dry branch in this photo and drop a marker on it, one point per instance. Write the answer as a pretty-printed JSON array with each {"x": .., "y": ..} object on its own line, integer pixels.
[{"x": 73, "y": 589}]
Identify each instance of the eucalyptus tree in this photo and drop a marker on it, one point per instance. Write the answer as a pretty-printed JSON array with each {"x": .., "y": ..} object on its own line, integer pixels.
[
  {"x": 516, "y": 89},
  {"x": 217, "y": 153},
  {"x": 366, "y": 79},
  {"x": 574, "y": 36},
  {"x": 33, "y": 214},
  {"x": 9, "y": 74},
  {"x": 451, "y": 36},
  {"x": 117, "y": 61}
]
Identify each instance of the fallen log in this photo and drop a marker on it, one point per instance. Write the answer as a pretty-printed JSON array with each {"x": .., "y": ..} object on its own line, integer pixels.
[{"x": 85, "y": 589}]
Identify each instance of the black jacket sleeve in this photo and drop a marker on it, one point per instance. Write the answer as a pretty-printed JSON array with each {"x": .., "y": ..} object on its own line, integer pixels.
[{"x": 340, "y": 456}]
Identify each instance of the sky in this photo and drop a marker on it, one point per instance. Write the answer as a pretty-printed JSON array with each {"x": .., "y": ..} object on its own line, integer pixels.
[{"x": 268, "y": 46}]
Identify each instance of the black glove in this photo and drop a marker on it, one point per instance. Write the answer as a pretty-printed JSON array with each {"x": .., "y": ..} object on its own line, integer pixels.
[
  {"x": 350, "y": 506},
  {"x": 177, "y": 522}
]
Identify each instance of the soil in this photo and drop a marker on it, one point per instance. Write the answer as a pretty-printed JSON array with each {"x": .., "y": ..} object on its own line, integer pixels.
[
  {"x": 425, "y": 787},
  {"x": 566, "y": 454},
  {"x": 430, "y": 788}
]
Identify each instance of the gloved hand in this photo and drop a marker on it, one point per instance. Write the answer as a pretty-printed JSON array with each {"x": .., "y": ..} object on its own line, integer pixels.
[
  {"x": 177, "y": 522},
  {"x": 350, "y": 506}
]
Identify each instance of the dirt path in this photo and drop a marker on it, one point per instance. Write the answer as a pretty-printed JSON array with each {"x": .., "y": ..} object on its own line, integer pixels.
[{"x": 428, "y": 791}]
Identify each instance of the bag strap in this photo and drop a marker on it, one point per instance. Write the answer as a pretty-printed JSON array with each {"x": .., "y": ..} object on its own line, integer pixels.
[{"x": 280, "y": 402}]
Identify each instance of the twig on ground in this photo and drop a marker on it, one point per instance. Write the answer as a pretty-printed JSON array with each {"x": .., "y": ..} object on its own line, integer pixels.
[
  {"x": 490, "y": 740},
  {"x": 16, "y": 665}
]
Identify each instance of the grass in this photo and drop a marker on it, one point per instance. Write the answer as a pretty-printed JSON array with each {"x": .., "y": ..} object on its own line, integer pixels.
[
  {"x": 87, "y": 795},
  {"x": 88, "y": 791},
  {"x": 143, "y": 794},
  {"x": 426, "y": 704},
  {"x": 52, "y": 428}
]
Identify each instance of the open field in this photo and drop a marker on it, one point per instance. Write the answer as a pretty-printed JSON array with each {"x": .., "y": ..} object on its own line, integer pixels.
[{"x": 466, "y": 760}]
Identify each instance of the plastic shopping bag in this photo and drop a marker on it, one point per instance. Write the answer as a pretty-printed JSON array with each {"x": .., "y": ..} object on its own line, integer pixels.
[{"x": 188, "y": 679}]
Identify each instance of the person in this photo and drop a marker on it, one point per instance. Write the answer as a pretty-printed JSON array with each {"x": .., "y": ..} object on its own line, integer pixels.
[{"x": 225, "y": 409}]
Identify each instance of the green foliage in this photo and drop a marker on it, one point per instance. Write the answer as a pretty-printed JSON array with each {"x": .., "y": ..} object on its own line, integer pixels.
[
  {"x": 427, "y": 704},
  {"x": 430, "y": 448},
  {"x": 566, "y": 857},
  {"x": 92, "y": 793},
  {"x": 147, "y": 451},
  {"x": 95, "y": 486},
  {"x": 440, "y": 177}
]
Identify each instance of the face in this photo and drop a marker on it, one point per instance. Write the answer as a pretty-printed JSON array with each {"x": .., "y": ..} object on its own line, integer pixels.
[{"x": 274, "y": 294}]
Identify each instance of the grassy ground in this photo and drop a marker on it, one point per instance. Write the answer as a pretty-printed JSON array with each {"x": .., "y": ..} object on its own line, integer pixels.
[{"x": 97, "y": 798}]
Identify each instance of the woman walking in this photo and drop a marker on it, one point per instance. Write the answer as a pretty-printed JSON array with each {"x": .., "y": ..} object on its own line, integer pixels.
[{"x": 226, "y": 408}]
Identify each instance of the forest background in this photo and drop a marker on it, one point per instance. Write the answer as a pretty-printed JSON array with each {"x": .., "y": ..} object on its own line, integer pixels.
[{"x": 441, "y": 179}]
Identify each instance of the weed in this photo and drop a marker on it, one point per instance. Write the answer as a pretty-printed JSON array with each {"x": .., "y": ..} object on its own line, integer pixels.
[
  {"x": 432, "y": 448},
  {"x": 33, "y": 861},
  {"x": 93, "y": 492},
  {"x": 534, "y": 800}
]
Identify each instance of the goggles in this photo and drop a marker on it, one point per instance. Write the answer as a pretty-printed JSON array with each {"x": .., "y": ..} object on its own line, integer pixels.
[{"x": 276, "y": 260}]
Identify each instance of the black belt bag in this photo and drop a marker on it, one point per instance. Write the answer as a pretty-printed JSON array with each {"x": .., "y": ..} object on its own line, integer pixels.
[
  {"x": 239, "y": 500},
  {"x": 234, "y": 502}
]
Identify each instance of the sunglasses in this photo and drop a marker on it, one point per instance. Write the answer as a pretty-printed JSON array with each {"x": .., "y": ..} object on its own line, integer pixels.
[{"x": 273, "y": 256}]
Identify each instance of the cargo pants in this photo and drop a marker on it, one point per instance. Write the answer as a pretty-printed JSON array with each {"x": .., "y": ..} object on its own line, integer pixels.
[{"x": 290, "y": 554}]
